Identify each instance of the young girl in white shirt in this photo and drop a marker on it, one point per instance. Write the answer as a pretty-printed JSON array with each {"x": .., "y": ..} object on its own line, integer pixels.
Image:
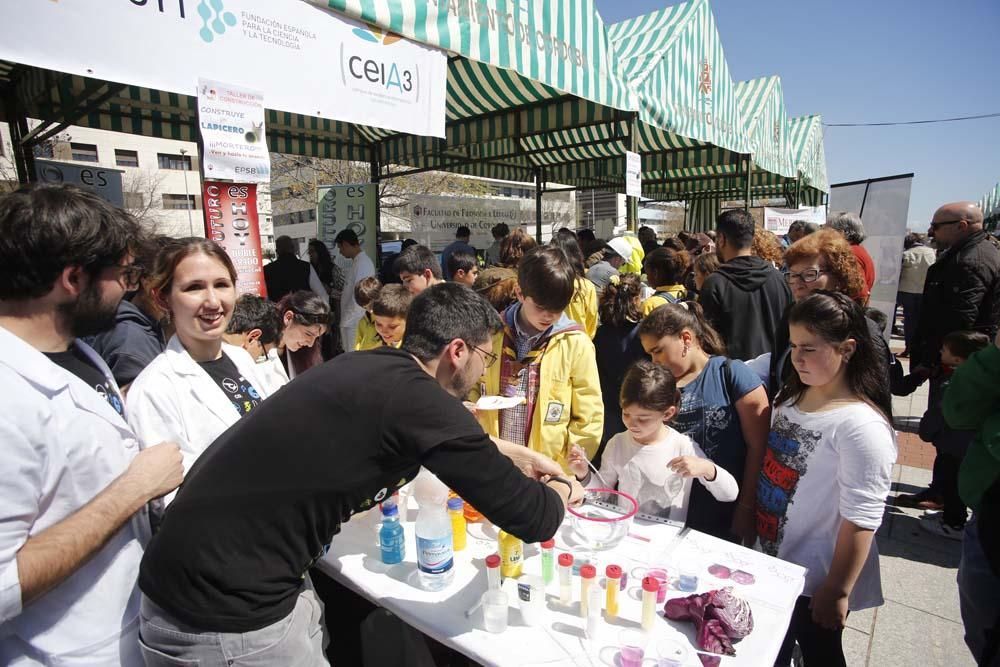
[
  {"x": 827, "y": 471},
  {"x": 651, "y": 461}
]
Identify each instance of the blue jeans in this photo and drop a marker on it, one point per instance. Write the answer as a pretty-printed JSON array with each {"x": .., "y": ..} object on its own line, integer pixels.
[
  {"x": 294, "y": 641},
  {"x": 978, "y": 592}
]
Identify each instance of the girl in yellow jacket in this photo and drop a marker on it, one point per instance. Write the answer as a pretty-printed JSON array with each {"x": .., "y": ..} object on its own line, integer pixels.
[
  {"x": 547, "y": 359},
  {"x": 582, "y": 308}
]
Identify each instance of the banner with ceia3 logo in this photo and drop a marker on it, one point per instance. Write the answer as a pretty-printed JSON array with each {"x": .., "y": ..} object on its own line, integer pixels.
[{"x": 303, "y": 59}]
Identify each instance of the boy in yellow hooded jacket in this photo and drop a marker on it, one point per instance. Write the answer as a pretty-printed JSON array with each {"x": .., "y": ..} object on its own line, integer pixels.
[{"x": 547, "y": 359}]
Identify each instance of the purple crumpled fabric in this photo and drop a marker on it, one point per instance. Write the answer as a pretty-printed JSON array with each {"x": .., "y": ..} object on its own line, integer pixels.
[{"x": 718, "y": 616}]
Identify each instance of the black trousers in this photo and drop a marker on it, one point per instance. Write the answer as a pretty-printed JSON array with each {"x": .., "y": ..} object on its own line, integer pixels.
[
  {"x": 820, "y": 647},
  {"x": 946, "y": 479}
]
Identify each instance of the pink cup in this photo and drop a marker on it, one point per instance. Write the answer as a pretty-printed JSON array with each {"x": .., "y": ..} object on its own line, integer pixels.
[
  {"x": 631, "y": 656},
  {"x": 631, "y": 648},
  {"x": 661, "y": 576}
]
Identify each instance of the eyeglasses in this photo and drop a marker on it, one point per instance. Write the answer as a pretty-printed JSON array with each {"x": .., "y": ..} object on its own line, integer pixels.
[
  {"x": 807, "y": 276},
  {"x": 131, "y": 274},
  {"x": 488, "y": 357},
  {"x": 935, "y": 225}
]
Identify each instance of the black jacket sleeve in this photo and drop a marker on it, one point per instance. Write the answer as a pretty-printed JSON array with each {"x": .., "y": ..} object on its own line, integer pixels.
[
  {"x": 490, "y": 482},
  {"x": 421, "y": 421}
]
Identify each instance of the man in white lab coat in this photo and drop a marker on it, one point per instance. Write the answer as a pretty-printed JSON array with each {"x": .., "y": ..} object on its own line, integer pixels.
[{"x": 73, "y": 496}]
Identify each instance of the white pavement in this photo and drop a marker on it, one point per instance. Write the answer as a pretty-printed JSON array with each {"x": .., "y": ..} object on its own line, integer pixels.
[{"x": 919, "y": 625}]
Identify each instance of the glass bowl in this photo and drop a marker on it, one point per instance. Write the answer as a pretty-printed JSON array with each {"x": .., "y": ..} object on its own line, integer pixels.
[{"x": 603, "y": 519}]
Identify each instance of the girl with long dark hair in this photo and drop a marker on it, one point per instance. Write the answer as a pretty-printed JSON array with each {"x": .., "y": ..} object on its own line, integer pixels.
[
  {"x": 305, "y": 317},
  {"x": 322, "y": 262},
  {"x": 827, "y": 471},
  {"x": 724, "y": 409}
]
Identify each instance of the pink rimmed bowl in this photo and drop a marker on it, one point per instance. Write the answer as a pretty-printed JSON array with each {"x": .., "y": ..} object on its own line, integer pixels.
[{"x": 604, "y": 518}]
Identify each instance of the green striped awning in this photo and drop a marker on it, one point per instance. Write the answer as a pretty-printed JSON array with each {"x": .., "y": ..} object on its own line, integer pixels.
[
  {"x": 529, "y": 85},
  {"x": 805, "y": 134},
  {"x": 535, "y": 88},
  {"x": 557, "y": 43},
  {"x": 763, "y": 107},
  {"x": 990, "y": 204},
  {"x": 674, "y": 60},
  {"x": 702, "y": 213}
]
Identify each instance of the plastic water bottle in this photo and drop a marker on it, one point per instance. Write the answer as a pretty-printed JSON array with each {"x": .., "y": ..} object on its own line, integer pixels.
[
  {"x": 435, "y": 556},
  {"x": 391, "y": 539}
]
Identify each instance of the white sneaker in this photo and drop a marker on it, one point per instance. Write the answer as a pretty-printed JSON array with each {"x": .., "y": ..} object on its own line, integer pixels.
[{"x": 937, "y": 526}]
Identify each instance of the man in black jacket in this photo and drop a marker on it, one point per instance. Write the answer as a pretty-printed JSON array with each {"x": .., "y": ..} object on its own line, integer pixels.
[
  {"x": 962, "y": 289},
  {"x": 289, "y": 274},
  {"x": 224, "y": 575},
  {"x": 745, "y": 299},
  {"x": 961, "y": 293}
]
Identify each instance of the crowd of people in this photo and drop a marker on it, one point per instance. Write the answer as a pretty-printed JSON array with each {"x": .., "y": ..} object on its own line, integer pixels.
[{"x": 180, "y": 456}]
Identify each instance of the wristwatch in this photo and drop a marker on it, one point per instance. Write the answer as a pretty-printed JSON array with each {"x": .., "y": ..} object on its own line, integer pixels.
[{"x": 563, "y": 480}]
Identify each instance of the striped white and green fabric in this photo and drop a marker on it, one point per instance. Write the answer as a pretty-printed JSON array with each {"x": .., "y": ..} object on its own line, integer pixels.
[
  {"x": 763, "y": 107},
  {"x": 990, "y": 203},
  {"x": 805, "y": 134},
  {"x": 533, "y": 87},
  {"x": 557, "y": 43},
  {"x": 693, "y": 133},
  {"x": 674, "y": 60}
]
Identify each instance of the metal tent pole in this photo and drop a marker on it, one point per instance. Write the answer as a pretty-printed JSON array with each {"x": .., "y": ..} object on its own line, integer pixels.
[
  {"x": 375, "y": 178},
  {"x": 749, "y": 199},
  {"x": 538, "y": 204},
  {"x": 632, "y": 203}
]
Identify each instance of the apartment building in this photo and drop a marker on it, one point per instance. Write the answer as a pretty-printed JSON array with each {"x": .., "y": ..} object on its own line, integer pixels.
[{"x": 161, "y": 178}]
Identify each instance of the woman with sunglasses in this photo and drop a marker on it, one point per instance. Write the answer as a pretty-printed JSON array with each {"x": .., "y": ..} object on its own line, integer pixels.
[{"x": 200, "y": 385}]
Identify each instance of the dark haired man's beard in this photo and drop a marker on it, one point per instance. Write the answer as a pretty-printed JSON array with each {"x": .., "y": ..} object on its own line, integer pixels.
[
  {"x": 461, "y": 383},
  {"x": 88, "y": 315}
]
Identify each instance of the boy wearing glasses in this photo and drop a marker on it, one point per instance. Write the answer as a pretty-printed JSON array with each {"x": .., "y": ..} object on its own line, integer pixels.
[{"x": 548, "y": 360}]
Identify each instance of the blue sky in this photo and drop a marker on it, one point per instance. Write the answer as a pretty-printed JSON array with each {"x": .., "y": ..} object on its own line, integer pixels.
[{"x": 882, "y": 60}]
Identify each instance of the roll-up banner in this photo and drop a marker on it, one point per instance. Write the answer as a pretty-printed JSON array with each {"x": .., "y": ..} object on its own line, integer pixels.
[{"x": 231, "y": 221}]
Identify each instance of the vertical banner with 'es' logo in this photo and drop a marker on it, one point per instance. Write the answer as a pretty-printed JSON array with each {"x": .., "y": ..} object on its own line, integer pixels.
[
  {"x": 231, "y": 121},
  {"x": 231, "y": 221},
  {"x": 349, "y": 207}
]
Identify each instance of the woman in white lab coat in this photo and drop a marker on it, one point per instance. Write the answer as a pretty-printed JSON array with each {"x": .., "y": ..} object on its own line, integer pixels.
[{"x": 199, "y": 386}]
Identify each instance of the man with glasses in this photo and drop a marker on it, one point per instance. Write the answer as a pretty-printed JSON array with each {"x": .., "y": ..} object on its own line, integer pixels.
[
  {"x": 962, "y": 289},
  {"x": 222, "y": 579},
  {"x": 72, "y": 502},
  {"x": 961, "y": 293}
]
